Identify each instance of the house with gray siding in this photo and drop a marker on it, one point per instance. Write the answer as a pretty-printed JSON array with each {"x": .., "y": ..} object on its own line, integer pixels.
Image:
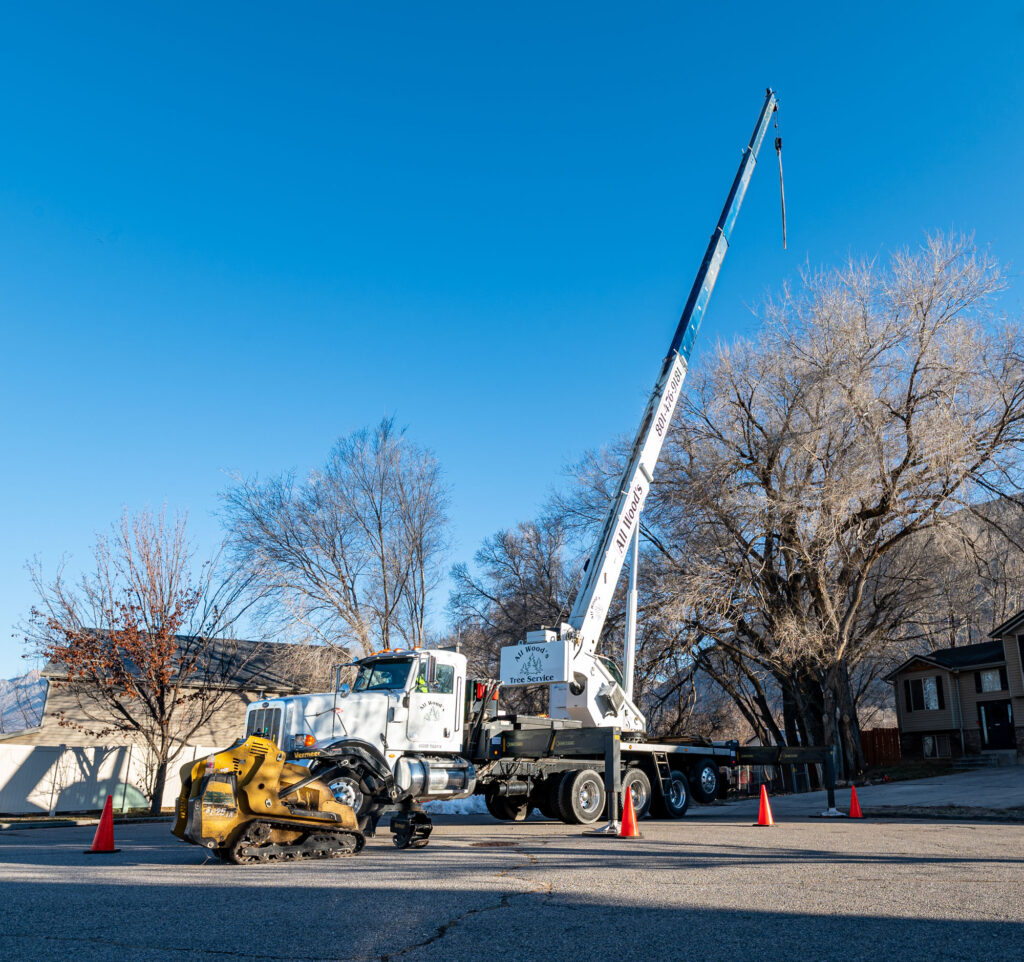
[
  {"x": 967, "y": 700},
  {"x": 248, "y": 670}
]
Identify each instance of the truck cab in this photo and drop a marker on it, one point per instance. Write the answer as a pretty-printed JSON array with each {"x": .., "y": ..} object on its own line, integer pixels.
[{"x": 401, "y": 700}]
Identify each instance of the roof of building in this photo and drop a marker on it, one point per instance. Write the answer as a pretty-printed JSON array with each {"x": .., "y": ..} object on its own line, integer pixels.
[
  {"x": 1009, "y": 627},
  {"x": 961, "y": 658},
  {"x": 236, "y": 663}
]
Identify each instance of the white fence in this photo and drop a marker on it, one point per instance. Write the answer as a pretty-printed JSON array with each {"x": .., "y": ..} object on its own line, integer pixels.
[{"x": 42, "y": 780}]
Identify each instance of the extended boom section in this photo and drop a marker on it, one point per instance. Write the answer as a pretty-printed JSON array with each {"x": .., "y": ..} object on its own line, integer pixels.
[{"x": 583, "y": 685}]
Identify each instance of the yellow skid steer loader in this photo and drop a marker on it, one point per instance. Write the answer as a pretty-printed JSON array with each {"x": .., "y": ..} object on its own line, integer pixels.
[{"x": 247, "y": 804}]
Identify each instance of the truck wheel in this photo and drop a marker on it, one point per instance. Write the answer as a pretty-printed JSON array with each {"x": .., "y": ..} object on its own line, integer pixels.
[
  {"x": 581, "y": 797},
  {"x": 678, "y": 800},
  {"x": 507, "y": 809},
  {"x": 705, "y": 780},
  {"x": 639, "y": 785},
  {"x": 351, "y": 791},
  {"x": 545, "y": 797}
]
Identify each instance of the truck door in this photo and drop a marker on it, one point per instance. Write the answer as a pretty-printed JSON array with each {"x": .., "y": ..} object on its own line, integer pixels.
[{"x": 433, "y": 707}]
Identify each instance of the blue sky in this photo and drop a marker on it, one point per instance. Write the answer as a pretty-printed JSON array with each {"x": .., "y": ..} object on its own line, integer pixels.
[{"x": 230, "y": 233}]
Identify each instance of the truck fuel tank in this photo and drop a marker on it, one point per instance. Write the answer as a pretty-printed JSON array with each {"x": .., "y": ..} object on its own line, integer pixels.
[{"x": 424, "y": 776}]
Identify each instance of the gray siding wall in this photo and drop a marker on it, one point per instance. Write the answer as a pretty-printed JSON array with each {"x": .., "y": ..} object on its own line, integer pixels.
[{"x": 941, "y": 720}]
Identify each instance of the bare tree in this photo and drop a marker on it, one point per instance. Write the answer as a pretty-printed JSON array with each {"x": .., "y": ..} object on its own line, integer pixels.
[
  {"x": 141, "y": 638},
  {"x": 520, "y": 583},
  {"x": 876, "y": 404},
  {"x": 352, "y": 554},
  {"x": 521, "y": 580},
  {"x": 963, "y": 578}
]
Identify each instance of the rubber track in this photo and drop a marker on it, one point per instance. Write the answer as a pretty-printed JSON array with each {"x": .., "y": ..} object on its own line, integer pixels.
[{"x": 291, "y": 853}]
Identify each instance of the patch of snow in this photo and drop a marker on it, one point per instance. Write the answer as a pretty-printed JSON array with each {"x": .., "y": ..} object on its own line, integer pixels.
[{"x": 474, "y": 805}]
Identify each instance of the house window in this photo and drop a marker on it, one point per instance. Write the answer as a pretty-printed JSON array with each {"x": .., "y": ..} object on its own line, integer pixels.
[
  {"x": 991, "y": 679},
  {"x": 935, "y": 746},
  {"x": 924, "y": 694}
]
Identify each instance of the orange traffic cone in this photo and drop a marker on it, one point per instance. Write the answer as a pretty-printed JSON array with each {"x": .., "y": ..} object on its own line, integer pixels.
[
  {"x": 764, "y": 814},
  {"x": 628, "y": 829},
  {"x": 103, "y": 840},
  {"x": 855, "y": 811}
]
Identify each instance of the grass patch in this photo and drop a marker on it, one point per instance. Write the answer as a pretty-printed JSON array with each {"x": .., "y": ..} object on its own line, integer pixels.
[{"x": 905, "y": 771}]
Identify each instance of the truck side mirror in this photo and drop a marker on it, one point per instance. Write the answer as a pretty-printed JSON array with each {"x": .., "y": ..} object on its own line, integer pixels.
[{"x": 343, "y": 690}]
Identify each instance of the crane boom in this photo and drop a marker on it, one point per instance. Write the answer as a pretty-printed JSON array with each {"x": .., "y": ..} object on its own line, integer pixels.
[
  {"x": 583, "y": 685},
  {"x": 595, "y": 595}
]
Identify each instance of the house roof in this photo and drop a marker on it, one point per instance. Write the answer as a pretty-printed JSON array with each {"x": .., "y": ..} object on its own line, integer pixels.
[
  {"x": 960, "y": 658},
  {"x": 11, "y": 736},
  {"x": 1009, "y": 627},
  {"x": 235, "y": 663}
]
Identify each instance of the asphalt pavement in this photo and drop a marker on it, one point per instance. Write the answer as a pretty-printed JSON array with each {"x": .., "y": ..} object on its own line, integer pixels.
[{"x": 704, "y": 888}]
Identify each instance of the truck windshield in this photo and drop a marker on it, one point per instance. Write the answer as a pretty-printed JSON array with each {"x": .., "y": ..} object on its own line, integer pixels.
[{"x": 383, "y": 675}]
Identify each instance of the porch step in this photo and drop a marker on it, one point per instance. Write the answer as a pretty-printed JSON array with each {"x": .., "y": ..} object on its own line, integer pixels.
[
  {"x": 986, "y": 760},
  {"x": 975, "y": 761}
]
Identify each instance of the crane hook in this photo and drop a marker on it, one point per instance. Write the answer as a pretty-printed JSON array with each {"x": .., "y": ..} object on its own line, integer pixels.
[{"x": 782, "y": 186}]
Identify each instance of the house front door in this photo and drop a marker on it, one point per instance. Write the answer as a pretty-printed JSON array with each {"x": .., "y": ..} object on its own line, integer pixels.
[{"x": 996, "y": 721}]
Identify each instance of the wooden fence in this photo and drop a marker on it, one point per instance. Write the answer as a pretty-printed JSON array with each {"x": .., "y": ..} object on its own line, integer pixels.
[{"x": 881, "y": 746}]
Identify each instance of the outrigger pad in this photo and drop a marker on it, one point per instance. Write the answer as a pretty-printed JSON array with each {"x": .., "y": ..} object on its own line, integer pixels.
[{"x": 411, "y": 829}]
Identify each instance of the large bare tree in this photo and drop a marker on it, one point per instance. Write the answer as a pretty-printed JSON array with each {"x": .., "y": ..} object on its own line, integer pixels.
[
  {"x": 876, "y": 404},
  {"x": 141, "y": 638},
  {"x": 349, "y": 556}
]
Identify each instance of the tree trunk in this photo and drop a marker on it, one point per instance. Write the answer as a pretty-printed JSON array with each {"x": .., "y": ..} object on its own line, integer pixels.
[
  {"x": 789, "y": 713},
  {"x": 828, "y": 715},
  {"x": 159, "y": 782},
  {"x": 849, "y": 724}
]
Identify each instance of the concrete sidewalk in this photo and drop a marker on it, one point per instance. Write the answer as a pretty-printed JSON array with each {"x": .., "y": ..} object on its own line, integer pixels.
[{"x": 986, "y": 788}]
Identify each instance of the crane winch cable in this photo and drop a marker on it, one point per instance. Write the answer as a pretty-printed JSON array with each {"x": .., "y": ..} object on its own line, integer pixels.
[{"x": 782, "y": 186}]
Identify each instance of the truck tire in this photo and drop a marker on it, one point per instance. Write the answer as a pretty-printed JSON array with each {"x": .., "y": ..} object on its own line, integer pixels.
[
  {"x": 545, "y": 797},
  {"x": 678, "y": 800},
  {"x": 581, "y": 797},
  {"x": 505, "y": 809},
  {"x": 637, "y": 782},
  {"x": 351, "y": 790},
  {"x": 705, "y": 780}
]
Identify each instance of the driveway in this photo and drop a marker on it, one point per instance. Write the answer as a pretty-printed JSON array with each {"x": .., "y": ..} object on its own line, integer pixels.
[{"x": 982, "y": 789}]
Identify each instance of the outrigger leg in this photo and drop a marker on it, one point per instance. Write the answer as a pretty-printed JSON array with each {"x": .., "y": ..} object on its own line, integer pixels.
[{"x": 411, "y": 828}]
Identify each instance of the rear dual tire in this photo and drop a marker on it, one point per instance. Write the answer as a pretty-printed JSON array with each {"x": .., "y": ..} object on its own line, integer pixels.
[
  {"x": 705, "y": 782},
  {"x": 675, "y": 801},
  {"x": 581, "y": 797}
]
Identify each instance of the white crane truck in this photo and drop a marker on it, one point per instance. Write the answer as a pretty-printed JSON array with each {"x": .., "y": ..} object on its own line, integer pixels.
[{"x": 414, "y": 727}]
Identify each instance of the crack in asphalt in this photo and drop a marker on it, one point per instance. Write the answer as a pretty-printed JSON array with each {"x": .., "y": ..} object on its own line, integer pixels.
[
  {"x": 542, "y": 888},
  {"x": 502, "y": 903}
]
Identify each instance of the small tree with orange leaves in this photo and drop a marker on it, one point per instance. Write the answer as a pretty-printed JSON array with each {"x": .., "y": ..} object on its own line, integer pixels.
[{"x": 141, "y": 639}]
